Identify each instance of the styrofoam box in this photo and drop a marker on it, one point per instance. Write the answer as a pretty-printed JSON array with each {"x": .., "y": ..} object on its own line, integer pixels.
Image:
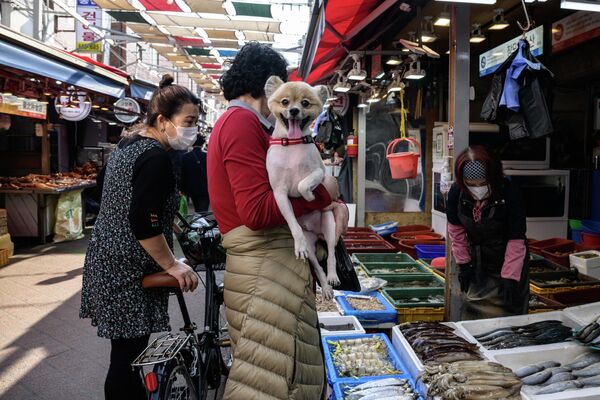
[
  {"x": 584, "y": 314},
  {"x": 479, "y": 326},
  {"x": 340, "y": 320},
  {"x": 563, "y": 354},
  {"x": 586, "y": 266},
  {"x": 407, "y": 354}
]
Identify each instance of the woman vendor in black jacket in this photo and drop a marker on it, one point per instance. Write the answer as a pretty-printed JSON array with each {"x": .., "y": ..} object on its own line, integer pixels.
[{"x": 487, "y": 226}]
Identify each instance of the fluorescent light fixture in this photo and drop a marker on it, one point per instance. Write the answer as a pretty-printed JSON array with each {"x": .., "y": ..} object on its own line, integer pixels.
[
  {"x": 393, "y": 60},
  {"x": 476, "y": 35},
  {"x": 470, "y": 1},
  {"x": 342, "y": 87},
  {"x": 396, "y": 85},
  {"x": 498, "y": 22},
  {"x": 373, "y": 100},
  {"x": 405, "y": 50},
  {"x": 7, "y": 94},
  {"x": 415, "y": 72},
  {"x": 448, "y": 51},
  {"x": 428, "y": 37},
  {"x": 112, "y": 123},
  {"x": 583, "y": 5},
  {"x": 58, "y": 82},
  {"x": 443, "y": 19},
  {"x": 104, "y": 108},
  {"x": 380, "y": 75},
  {"x": 95, "y": 106},
  {"x": 362, "y": 105},
  {"x": 357, "y": 75}
]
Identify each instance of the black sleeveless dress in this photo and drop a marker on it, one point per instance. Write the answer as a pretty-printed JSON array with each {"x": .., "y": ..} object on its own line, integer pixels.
[{"x": 115, "y": 262}]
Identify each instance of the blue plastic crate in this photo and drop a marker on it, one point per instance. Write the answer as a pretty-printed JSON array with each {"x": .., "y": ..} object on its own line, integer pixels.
[
  {"x": 430, "y": 251},
  {"x": 338, "y": 392},
  {"x": 369, "y": 317},
  {"x": 332, "y": 374},
  {"x": 385, "y": 229}
]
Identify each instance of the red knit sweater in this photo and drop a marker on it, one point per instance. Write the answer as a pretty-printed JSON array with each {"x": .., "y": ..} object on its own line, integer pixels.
[{"x": 238, "y": 183}]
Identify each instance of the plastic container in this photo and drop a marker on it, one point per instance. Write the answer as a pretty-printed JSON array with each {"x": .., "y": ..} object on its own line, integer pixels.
[
  {"x": 370, "y": 246},
  {"x": 413, "y": 228},
  {"x": 426, "y": 281},
  {"x": 357, "y": 229},
  {"x": 590, "y": 239},
  {"x": 576, "y": 297},
  {"x": 563, "y": 354},
  {"x": 547, "y": 305},
  {"x": 369, "y": 318},
  {"x": 338, "y": 388},
  {"x": 560, "y": 254},
  {"x": 584, "y": 314},
  {"x": 576, "y": 236},
  {"x": 408, "y": 355},
  {"x": 586, "y": 266},
  {"x": 395, "y": 295},
  {"x": 414, "y": 268},
  {"x": 408, "y": 245},
  {"x": 591, "y": 226},
  {"x": 330, "y": 325},
  {"x": 332, "y": 372},
  {"x": 385, "y": 229},
  {"x": 430, "y": 250},
  {"x": 382, "y": 258},
  {"x": 361, "y": 236},
  {"x": 480, "y": 326},
  {"x": 540, "y": 245},
  {"x": 403, "y": 165},
  {"x": 540, "y": 281},
  {"x": 538, "y": 264},
  {"x": 575, "y": 224}
]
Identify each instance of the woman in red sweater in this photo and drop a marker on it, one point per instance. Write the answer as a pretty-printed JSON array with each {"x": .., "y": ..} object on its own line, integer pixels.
[{"x": 268, "y": 292}]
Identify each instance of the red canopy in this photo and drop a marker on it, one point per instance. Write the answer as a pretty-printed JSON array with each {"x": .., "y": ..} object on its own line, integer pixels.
[
  {"x": 342, "y": 17},
  {"x": 99, "y": 64}
]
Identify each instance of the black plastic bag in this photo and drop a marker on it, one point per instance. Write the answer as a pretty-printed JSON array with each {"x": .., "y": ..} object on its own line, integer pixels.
[
  {"x": 344, "y": 268},
  {"x": 330, "y": 132}
]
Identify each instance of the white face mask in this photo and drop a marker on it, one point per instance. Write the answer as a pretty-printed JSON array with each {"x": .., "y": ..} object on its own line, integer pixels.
[
  {"x": 479, "y": 192},
  {"x": 186, "y": 136}
]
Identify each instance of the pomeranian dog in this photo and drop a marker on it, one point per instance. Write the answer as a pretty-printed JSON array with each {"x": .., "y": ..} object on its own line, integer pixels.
[{"x": 295, "y": 169}]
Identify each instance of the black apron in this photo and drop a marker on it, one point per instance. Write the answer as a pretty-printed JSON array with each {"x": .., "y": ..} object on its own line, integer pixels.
[{"x": 488, "y": 240}]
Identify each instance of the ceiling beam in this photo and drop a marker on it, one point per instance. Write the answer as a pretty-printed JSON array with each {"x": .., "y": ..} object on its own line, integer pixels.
[{"x": 376, "y": 13}]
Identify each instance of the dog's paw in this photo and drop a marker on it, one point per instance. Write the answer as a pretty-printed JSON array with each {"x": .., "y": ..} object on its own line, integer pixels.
[
  {"x": 327, "y": 292},
  {"x": 333, "y": 279},
  {"x": 301, "y": 248}
]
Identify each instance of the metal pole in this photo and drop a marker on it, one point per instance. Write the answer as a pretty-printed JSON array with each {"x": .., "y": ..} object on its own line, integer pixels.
[
  {"x": 5, "y": 12},
  {"x": 38, "y": 19},
  {"x": 458, "y": 117},
  {"x": 362, "y": 166}
]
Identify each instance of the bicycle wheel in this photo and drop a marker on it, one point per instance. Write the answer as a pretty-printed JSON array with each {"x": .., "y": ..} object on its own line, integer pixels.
[{"x": 174, "y": 383}]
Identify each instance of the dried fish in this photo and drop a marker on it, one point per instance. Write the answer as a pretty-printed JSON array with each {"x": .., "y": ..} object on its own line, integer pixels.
[
  {"x": 559, "y": 387},
  {"x": 543, "y": 332},
  {"x": 559, "y": 377},
  {"x": 584, "y": 360},
  {"x": 365, "y": 303},
  {"x": 590, "y": 370},
  {"x": 325, "y": 305},
  {"x": 537, "y": 378}
]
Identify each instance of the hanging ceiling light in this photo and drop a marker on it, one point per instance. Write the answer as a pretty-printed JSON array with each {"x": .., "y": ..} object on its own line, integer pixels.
[
  {"x": 375, "y": 97},
  {"x": 394, "y": 60},
  {"x": 476, "y": 35},
  {"x": 583, "y": 5},
  {"x": 498, "y": 22},
  {"x": 443, "y": 19},
  {"x": 415, "y": 72},
  {"x": 361, "y": 102},
  {"x": 357, "y": 74},
  {"x": 427, "y": 33},
  {"x": 342, "y": 85}
]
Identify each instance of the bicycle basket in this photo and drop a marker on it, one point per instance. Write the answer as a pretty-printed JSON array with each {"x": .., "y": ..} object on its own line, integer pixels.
[{"x": 201, "y": 242}]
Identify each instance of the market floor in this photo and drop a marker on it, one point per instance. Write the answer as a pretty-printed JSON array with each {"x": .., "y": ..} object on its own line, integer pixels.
[{"x": 46, "y": 351}]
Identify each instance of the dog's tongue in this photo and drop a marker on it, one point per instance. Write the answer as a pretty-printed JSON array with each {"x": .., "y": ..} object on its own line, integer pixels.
[{"x": 294, "y": 131}]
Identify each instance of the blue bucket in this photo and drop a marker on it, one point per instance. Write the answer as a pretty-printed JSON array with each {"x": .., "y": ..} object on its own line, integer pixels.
[{"x": 430, "y": 251}]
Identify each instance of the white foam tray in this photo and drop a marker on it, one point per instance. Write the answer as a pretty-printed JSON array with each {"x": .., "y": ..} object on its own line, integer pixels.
[
  {"x": 584, "y": 314},
  {"x": 341, "y": 320},
  {"x": 407, "y": 354},
  {"x": 563, "y": 354},
  {"x": 477, "y": 327}
]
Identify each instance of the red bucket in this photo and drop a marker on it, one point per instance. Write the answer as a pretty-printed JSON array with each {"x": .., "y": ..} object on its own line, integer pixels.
[{"x": 403, "y": 165}]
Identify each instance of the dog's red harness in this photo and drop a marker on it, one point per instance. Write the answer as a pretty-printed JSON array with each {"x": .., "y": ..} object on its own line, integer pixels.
[{"x": 290, "y": 142}]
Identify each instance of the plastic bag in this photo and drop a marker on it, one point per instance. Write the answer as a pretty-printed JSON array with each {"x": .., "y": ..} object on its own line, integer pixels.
[
  {"x": 344, "y": 268},
  {"x": 371, "y": 284},
  {"x": 69, "y": 213}
]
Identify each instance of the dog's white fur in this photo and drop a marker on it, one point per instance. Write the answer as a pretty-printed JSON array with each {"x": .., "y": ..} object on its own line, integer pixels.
[{"x": 296, "y": 170}]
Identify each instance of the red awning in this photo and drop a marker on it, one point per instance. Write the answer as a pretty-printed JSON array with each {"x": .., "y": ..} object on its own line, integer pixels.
[
  {"x": 160, "y": 5},
  {"x": 99, "y": 64},
  {"x": 343, "y": 19}
]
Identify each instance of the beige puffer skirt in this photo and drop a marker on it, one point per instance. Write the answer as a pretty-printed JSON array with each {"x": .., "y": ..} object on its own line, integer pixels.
[{"x": 272, "y": 319}]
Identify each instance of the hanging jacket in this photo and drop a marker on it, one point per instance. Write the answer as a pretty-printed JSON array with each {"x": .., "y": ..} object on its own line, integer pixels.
[{"x": 517, "y": 98}]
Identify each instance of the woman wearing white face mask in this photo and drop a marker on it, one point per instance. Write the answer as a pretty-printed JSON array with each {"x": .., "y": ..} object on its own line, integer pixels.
[
  {"x": 133, "y": 236},
  {"x": 487, "y": 225}
]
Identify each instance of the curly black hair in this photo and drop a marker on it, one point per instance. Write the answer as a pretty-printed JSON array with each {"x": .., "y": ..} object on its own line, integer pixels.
[{"x": 250, "y": 69}]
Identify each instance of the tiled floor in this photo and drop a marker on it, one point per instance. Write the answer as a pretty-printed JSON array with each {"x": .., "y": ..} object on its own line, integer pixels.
[{"x": 46, "y": 351}]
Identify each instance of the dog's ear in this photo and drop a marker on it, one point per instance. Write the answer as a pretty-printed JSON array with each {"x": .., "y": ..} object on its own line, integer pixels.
[
  {"x": 323, "y": 93},
  {"x": 272, "y": 84}
]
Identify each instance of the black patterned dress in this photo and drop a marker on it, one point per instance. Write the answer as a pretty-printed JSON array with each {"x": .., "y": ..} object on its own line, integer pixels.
[{"x": 115, "y": 262}]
